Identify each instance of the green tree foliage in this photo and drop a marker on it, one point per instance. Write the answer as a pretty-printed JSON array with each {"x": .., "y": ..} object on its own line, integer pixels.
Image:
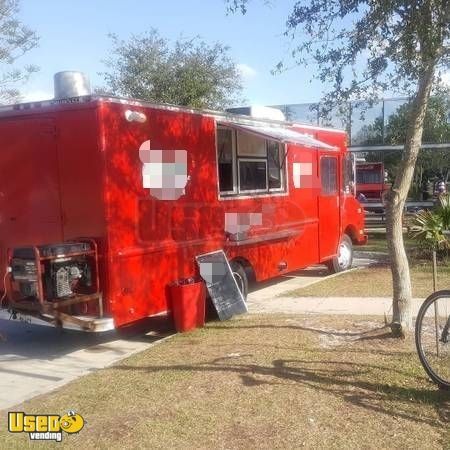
[
  {"x": 362, "y": 48},
  {"x": 189, "y": 73},
  {"x": 436, "y": 126},
  {"x": 432, "y": 164},
  {"x": 392, "y": 128},
  {"x": 15, "y": 40},
  {"x": 372, "y": 133}
]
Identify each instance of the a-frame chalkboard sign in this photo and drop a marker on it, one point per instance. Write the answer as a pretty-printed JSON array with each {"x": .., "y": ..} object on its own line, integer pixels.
[{"x": 222, "y": 287}]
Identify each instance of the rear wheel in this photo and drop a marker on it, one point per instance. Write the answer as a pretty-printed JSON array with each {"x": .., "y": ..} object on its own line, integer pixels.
[
  {"x": 344, "y": 259},
  {"x": 241, "y": 278}
]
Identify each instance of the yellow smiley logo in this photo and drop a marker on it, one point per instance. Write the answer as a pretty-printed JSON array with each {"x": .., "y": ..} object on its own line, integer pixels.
[{"x": 71, "y": 422}]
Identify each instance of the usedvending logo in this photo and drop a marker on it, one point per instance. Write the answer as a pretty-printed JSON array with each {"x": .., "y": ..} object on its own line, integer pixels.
[{"x": 45, "y": 427}]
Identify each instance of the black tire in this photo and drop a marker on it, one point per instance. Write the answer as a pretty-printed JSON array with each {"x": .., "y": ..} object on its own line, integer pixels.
[
  {"x": 241, "y": 278},
  {"x": 443, "y": 383},
  {"x": 338, "y": 263}
]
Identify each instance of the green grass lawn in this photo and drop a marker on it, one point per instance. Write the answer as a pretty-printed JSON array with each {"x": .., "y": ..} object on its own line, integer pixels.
[
  {"x": 377, "y": 243},
  {"x": 268, "y": 382},
  {"x": 375, "y": 282}
]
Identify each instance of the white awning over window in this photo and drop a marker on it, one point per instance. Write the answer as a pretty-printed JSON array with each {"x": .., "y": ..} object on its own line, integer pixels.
[{"x": 283, "y": 135}]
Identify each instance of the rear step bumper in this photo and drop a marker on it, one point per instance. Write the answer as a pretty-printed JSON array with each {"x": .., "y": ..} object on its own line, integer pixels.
[
  {"x": 49, "y": 313},
  {"x": 82, "y": 323}
]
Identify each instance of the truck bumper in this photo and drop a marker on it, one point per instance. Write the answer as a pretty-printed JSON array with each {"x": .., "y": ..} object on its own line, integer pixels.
[{"x": 361, "y": 239}]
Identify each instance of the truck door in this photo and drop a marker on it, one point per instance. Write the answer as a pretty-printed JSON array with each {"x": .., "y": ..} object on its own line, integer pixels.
[
  {"x": 29, "y": 189},
  {"x": 329, "y": 209}
]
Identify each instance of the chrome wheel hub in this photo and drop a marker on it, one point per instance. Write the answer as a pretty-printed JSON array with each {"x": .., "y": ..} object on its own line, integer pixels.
[{"x": 345, "y": 255}]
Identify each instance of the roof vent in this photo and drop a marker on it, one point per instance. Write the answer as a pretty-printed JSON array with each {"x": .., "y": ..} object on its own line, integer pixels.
[
  {"x": 265, "y": 112},
  {"x": 259, "y": 112},
  {"x": 70, "y": 84}
]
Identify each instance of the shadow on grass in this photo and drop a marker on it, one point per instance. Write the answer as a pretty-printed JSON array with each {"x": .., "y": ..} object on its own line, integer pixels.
[
  {"x": 328, "y": 332},
  {"x": 336, "y": 378}
]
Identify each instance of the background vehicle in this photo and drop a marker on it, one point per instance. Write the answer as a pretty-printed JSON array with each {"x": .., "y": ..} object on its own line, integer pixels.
[{"x": 370, "y": 180}]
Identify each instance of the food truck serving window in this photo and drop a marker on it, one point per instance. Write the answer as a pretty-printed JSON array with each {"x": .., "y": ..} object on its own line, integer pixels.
[
  {"x": 226, "y": 158},
  {"x": 249, "y": 163}
]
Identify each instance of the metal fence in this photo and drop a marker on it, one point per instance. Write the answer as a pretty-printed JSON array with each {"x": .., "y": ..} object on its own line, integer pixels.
[{"x": 382, "y": 124}]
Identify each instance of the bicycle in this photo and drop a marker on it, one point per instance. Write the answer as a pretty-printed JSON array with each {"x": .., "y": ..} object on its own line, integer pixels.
[{"x": 433, "y": 337}]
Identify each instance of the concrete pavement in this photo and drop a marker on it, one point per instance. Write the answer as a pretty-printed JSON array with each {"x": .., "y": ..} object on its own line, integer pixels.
[
  {"x": 35, "y": 359},
  {"x": 268, "y": 297},
  {"x": 368, "y": 306}
]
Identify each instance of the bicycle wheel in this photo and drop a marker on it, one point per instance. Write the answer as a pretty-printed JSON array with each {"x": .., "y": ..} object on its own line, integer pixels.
[{"x": 433, "y": 337}]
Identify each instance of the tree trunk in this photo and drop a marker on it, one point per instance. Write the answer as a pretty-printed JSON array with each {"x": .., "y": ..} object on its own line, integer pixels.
[{"x": 395, "y": 205}]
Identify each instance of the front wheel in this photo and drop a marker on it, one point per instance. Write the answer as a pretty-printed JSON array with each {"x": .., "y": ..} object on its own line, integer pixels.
[
  {"x": 433, "y": 337},
  {"x": 344, "y": 259}
]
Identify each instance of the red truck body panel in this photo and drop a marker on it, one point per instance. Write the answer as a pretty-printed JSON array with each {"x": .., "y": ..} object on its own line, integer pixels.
[{"x": 70, "y": 171}]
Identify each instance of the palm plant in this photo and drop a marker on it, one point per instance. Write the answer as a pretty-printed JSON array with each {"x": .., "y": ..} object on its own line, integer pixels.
[
  {"x": 431, "y": 229},
  {"x": 444, "y": 210},
  {"x": 428, "y": 228}
]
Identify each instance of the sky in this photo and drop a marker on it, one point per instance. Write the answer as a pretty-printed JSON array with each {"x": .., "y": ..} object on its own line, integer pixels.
[{"x": 74, "y": 36}]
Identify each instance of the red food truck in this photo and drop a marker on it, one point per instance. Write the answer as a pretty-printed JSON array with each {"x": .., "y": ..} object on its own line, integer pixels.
[{"x": 104, "y": 202}]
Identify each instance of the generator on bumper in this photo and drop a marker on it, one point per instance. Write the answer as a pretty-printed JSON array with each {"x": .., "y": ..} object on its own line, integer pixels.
[{"x": 55, "y": 281}]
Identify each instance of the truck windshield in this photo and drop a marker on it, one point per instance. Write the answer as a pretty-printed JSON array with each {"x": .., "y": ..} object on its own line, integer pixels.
[{"x": 369, "y": 176}]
